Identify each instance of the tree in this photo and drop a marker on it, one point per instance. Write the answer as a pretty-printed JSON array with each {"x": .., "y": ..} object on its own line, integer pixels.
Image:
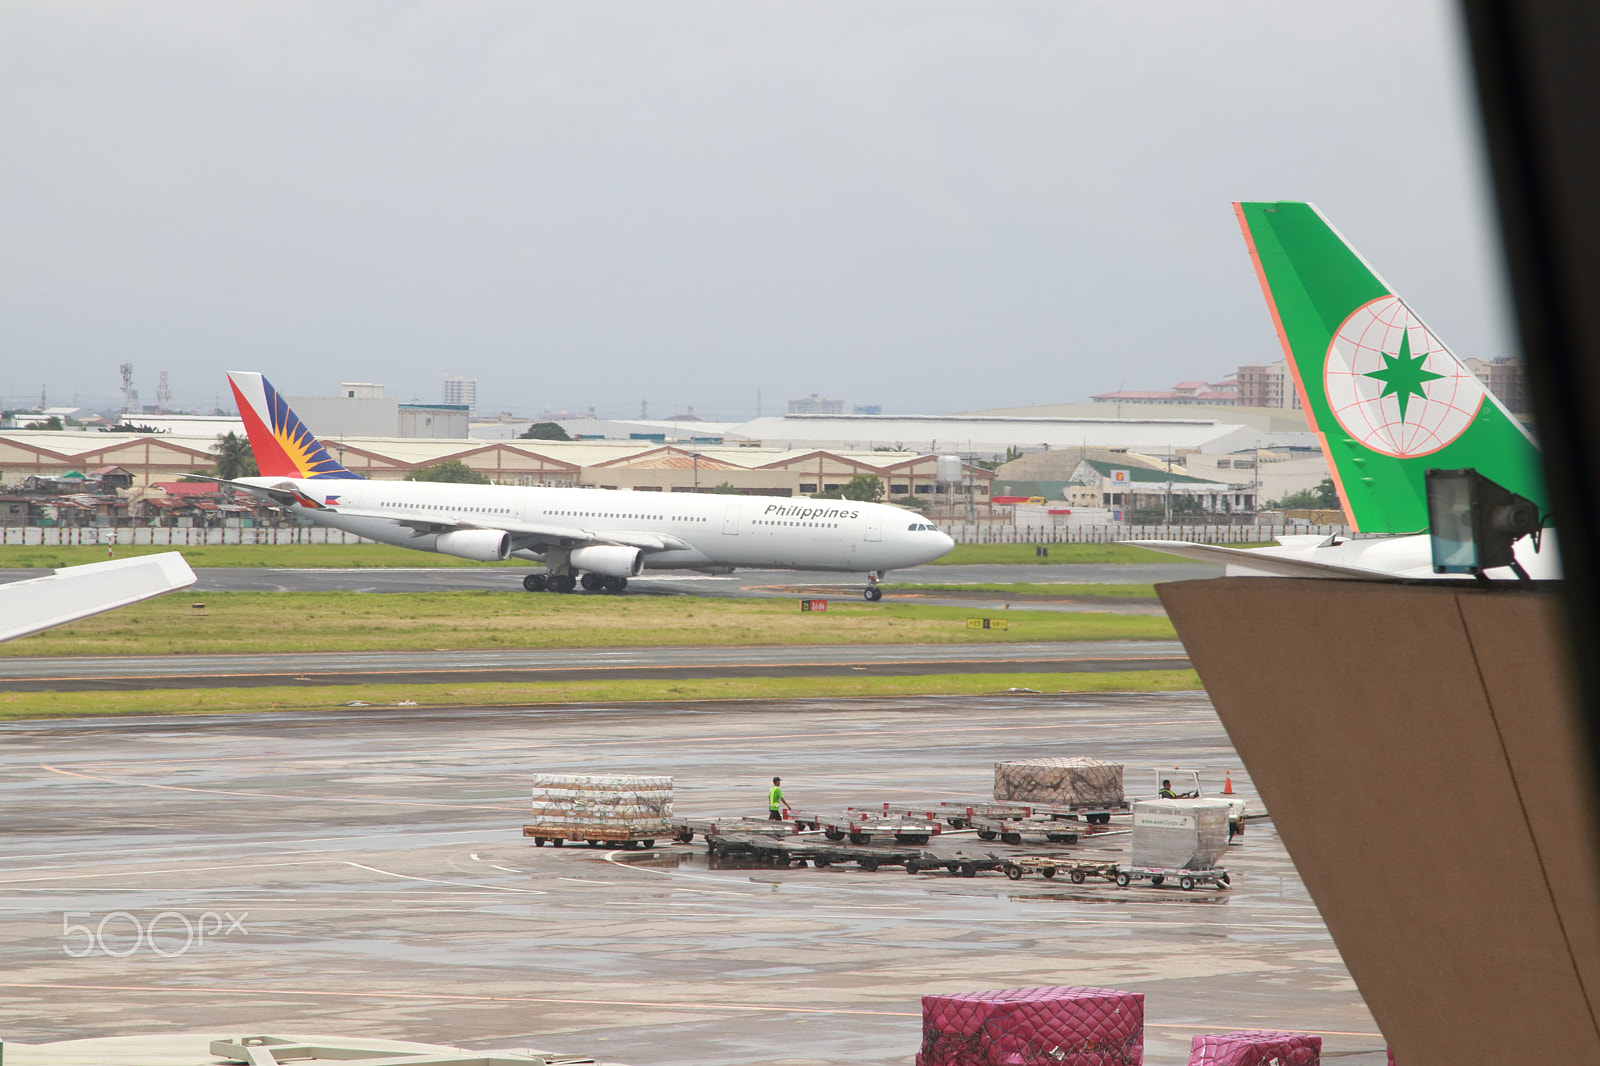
[
  {"x": 727, "y": 489},
  {"x": 1322, "y": 498},
  {"x": 234, "y": 458},
  {"x": 451, "y": 471},
  {"x": 544, "y": 431},
  {"x": 53, "y": 422},
  {"x": 1329, "y": 495},
  {"x": 863, "y": 487},
  {"x": 912, "y": 503}
]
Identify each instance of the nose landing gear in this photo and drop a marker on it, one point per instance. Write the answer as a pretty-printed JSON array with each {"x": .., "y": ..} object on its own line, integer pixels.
[{"x": 872, "y": 593}]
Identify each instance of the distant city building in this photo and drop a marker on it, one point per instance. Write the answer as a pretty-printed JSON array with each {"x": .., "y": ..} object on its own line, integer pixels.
[
  {"x": 1222, "y": 393},
  {"x": 867, "y": 409},
  {"x": 362, "y": 410},
  {"x": 1267, "y": 386},
  {"x": 461, "y": 390},
  {"x": 1504, "y": 378},
  {"x": 816, "y": 405}
]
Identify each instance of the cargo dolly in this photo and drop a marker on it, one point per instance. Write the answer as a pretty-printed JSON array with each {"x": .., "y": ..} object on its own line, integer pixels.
[
  {"x": 860, "y": 826},
  {"x": 1215, "y": 876},
  {"x": 967, "y": 815},
  {"x": 780, "y": 852},
  {"x": 1047, "y": 866},
  {"x": 683, "y": 830},
  {"x": 960, "y": 865},
  {"x": 596, "y": 836}
]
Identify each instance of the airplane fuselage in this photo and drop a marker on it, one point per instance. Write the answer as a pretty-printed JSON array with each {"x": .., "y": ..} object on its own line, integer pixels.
[{"x": 702, "y": 530}]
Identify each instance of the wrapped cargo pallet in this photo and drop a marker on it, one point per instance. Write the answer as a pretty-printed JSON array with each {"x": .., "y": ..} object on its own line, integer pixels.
[
  {"x": 1181, "y": 834},
  {"x": 1078, "y": 782},
  {"x": 1053, "y": 1026},
  {"x": 576, "y": 802},
  {"x": 1256, "y": 1047}
]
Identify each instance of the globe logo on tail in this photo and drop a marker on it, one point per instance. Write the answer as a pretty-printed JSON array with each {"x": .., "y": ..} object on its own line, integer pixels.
[{"x": 1393, "y": 386}]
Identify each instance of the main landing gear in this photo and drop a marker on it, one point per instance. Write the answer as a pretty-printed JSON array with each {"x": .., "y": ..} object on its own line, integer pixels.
[{"x": 591, "y": 582}]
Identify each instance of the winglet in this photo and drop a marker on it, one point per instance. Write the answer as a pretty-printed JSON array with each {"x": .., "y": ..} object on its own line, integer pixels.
[{"x": 283, "y": 446}]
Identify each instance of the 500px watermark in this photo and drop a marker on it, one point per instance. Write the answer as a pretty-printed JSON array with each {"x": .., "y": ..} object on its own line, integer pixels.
[{"x": 168, "y": 934}]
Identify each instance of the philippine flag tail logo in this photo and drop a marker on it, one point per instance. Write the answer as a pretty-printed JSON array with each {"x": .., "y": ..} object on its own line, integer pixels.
[{"x": 283, "y": 446}]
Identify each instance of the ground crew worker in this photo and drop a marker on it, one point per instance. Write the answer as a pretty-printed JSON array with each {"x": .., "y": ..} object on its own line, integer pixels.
[
  {"x": 1166, "y": 792},
  {"x": 775, "y": 801}
]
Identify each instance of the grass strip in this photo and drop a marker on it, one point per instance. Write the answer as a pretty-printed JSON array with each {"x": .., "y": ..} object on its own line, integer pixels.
[
  {"x": 27, "y": 705},
  {"x": 1138, "y": 592},
  {"x": 459, "y": 620}
]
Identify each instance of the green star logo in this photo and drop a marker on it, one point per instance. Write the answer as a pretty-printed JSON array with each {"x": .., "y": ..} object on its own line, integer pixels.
[{"x": 1403, "y": 376}]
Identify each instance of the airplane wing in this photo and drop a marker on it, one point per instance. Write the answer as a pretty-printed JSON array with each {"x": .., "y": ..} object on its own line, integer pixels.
[
  {"x": 530, "y": 535},
  {"x": 535, "y": 536},
  {"x": 75, "y": 592},
  {"x": 1256, "y": 560}
]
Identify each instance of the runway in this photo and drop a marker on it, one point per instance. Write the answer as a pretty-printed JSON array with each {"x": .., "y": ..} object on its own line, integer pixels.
[{"x": 123, "y": 673}]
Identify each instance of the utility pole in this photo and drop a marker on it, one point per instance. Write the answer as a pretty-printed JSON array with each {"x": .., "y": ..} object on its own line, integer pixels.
[{"x": 1169, "y": 485}]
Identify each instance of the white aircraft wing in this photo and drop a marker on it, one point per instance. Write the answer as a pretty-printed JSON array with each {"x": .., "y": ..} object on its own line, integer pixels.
[
  {"x": 530, "y": 535},
  {"x": 75, "y": 592},
  {"x": 1260, "y": 561}
]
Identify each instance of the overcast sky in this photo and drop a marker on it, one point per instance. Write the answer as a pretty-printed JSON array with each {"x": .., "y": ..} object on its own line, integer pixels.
[{"x": 932, "y": 206}]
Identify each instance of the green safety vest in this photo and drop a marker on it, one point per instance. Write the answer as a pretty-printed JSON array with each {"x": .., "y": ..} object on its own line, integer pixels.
[{"x": 775, "y": 798}]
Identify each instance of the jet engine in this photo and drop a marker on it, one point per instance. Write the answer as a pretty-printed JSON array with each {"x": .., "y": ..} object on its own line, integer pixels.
[
  {"x": 479, "y": 545},
  {"x": 610, "y": 560}
]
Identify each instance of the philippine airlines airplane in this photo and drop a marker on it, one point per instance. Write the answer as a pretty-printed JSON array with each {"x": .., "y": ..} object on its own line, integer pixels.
[
  {"x": 597, "y": 537},
  {"x": 1387, "y": 400}
]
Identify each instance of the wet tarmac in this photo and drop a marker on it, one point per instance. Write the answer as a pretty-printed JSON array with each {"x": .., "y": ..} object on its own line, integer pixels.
[
  {"x": 124, "y": 672},
  {"x": 363, "y": 872}
]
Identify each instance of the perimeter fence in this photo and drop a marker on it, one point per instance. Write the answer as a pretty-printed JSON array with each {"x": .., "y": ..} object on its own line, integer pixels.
[
  {"x": 174, "y": 536},
  {"x": 1111, "y": 534}
]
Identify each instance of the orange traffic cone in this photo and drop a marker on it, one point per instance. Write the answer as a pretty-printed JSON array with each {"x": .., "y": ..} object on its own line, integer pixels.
[{"x": 1227, "y": 783}]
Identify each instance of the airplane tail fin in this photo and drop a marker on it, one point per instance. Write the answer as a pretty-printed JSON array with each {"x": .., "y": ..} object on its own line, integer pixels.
[
  {"x": 1386, "y": 398},
  {"x": 283, "y": 446}
]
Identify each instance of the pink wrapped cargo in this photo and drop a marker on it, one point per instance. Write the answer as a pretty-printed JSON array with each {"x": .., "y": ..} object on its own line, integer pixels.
[
  {"x": 1256, "y": 1048},
  {"x": 1033, "y": 1027}
]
